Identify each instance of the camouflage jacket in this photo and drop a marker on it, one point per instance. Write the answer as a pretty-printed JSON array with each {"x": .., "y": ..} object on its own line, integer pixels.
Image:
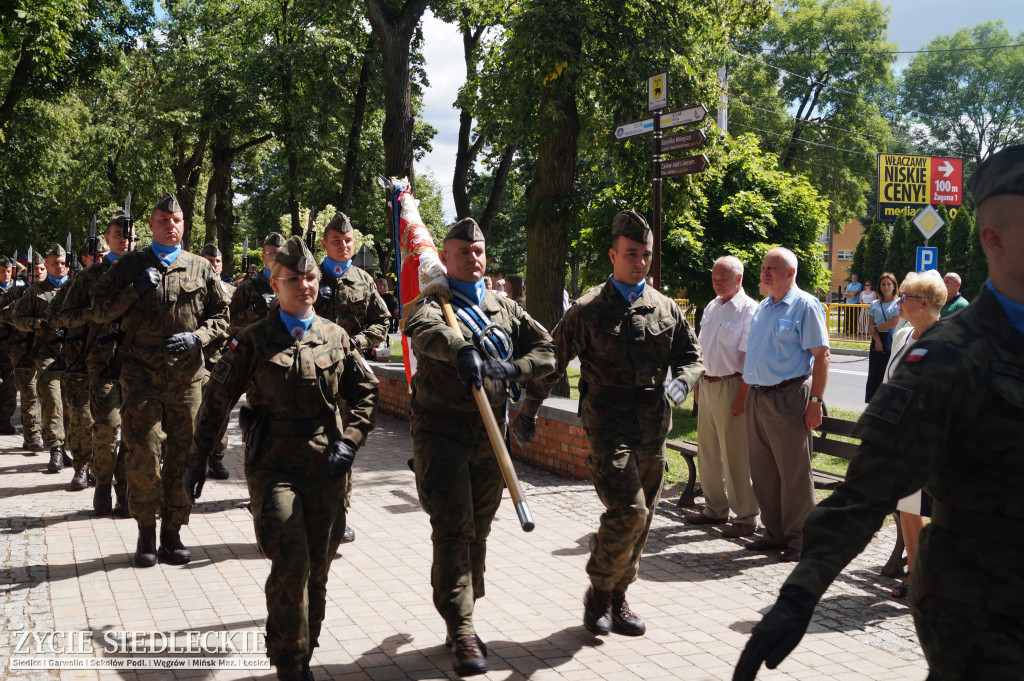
[
  {"x": 187, "y": 298},
  {"x": 213, "y": 351},
  {"x": 8, "y": 334},
  {"x": 242, "y": 300},
  {"x": 30, "y": 317},
  {"x": 951, "y": 419},
  {"x": 76, "y": 315},
  {"x": 437, "y": 388},
  {"x": 625, "y": 354},
  {"x": 292, "y": 382},
  {"x": 70, "y": 358},
  {"x": 355, "y": 306}
]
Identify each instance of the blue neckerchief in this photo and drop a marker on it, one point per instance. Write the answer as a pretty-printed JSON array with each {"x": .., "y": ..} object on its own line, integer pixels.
[
  {"x": 474, "y": 290},
  {"x": 166, "y": 254},
  {"x": 297, "y": 328},
  {"x": 111, "y": 257},
  {"x": 1013, "y": 310},
  {"x": 5, "y": 287},
  {"x": 336, "y": 269},
  {"x": 630, "y": 293},
  {"x": 55, "y": 281},
  {"x": 266, "y": 274}
]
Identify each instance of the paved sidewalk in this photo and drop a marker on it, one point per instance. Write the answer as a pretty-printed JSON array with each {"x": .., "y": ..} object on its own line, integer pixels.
[{"x": 63, "y": 569}]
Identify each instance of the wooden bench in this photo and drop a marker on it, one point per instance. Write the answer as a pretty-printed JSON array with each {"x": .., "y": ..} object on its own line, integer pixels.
[{"x": 689, "y": 452}]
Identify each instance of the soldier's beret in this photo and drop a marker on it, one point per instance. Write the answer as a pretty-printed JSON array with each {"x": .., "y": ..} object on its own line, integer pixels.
[
  {"x": 295, "y": 256},
  {"x": 465, "y": 229},
  {"x": 1000, "y": 173},
  {"x": 5, "y": 261},
  {"x": 116, "y": 219},
  {"x": 57, "y": 251},
  {"x": 339, "y": 223},
  {"x": 274, "y": 239},
  {"x": 210, "y": 251},
  {"x": 168, "y": 203},
  {"x": 101, "y": 244},
  {"x": 631, "y": 225}
]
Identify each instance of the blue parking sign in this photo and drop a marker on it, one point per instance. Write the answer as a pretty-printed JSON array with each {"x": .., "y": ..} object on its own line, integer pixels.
[{"x": 927, "y": 258}]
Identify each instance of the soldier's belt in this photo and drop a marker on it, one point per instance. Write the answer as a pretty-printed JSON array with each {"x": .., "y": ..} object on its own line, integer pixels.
[
  {"x": 298, "y": 427},
  {"x": 977, "y": 525},
  {"x": 784, "y": 384},
  {"x": 626, "y": 394}
]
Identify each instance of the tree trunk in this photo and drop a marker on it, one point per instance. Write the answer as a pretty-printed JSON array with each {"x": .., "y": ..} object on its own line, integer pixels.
[
  {"x": 187, "y": 170},
  {"x": 355, "y": 131},
  {"x": 219, "y": 213},
  {"x": 497, "y": 189},
  {"x": 16, "y": 87}
]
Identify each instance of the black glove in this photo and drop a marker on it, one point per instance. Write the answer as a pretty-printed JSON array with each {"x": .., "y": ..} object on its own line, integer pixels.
[
  {"x": 181, "y": 343},
  {"x": 501, "y": 369},
  {"x": 194, "y": 481},
  {"x": 61, "y": 334},
  {"x": 777, "y": 634},
  {"x": 340, "y": 455},
  {"x": 146, "y": 281},
  {"x": 524, "y": 428},
  {"x": 324, "y": 293},
  {"x": 262, "y": 305},
  {"x": 676, "y": 390},
  {"x": 470, "y": 368}
]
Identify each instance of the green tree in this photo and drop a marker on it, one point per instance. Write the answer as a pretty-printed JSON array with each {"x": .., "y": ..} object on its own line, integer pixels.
[
  {"x": 876, "y": 252},
  {"x": 955, "y": 254},
  {"x": 859, "y": 254},
  {"x": 901, "y": 256},
  {"x": 977, "y": 266}
]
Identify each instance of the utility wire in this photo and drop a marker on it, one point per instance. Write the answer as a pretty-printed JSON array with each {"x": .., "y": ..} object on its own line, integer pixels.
[
  {"x": 742, "y": 101},
  {"x": 817, "y": 144},
  {"x": 924, "y": 51}
]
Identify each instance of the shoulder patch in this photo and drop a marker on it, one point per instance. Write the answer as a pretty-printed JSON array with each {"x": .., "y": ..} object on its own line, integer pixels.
[
  {"x": 915, "y": 356},
  {"x": 233, "y": 344},
  {"x": 890, "y": 403}
]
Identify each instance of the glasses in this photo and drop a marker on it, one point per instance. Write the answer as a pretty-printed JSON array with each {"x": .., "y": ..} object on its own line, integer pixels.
[
  {"x": 298, "y": 280},
  {"x": 903, "y": 297}
]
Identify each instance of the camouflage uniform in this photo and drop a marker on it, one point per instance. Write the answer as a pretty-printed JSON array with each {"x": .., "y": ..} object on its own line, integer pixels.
[
  {"x": 161, "y": 393},
  {"x": 8, "y": 388},
  {"x": 297, "y": 385},
  {"x": 74, "y": 381},
  {"x": 211, "y": 355},
  {"x": 30, "y": 317},
  {"x": 457, "y": 474},
  {"x": 625, "y": 353},
  {"x": 248, "y": 293},
  {"x": 20, "y": 354}
]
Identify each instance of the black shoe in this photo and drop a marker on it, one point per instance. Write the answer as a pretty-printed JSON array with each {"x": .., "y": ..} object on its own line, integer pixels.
[
  {"x": 467, "y": 658},
  {"x": 56, "y": 460},
  {"x": 307, "y": 673},
  {"x": 624, "y": 620},
  {"x": 121, "y": 507},
  {"x": 597, "y": 611},
  {"x": 349, "y": 535},
  {"x": 145, "y": 549},
  {"x": 218, "y": 472},
  {"x": 65, "y": 457},
  {"x": 35, "y": 444},
  {"x": 7, "y": 429},
  {"x": 101, "y": 499},
  {"x": 172, "y": 550},
  {"x": 483, "y": 646},
  {"x": 80, "y": 481}
]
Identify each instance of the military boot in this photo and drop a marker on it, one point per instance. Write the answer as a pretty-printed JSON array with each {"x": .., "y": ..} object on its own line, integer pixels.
[
  {"x": 7, "y": 429},
  {"x": 349, "y": 535},
  {"x": 597, "y": 611},
  {"x": 101, "y": 499},
  {"x": 624, "y": 620},
  {"x": 467, "y": 657},
  {"x": 145, "y": 549},
  {"x": 217, "y": 471},
  {"x": 35, "y": 444},
  {"x": 121, "y": 507},
  {"x": 56, "y": 460},
  {"x": 80, "y": 481},
  {"x": 172, "y": 550}
]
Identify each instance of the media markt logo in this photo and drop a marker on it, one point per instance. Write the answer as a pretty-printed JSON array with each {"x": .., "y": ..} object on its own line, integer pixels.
[{"x": 138, "y": 650}]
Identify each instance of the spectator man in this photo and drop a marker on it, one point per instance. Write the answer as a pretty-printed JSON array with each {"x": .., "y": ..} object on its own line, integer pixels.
[
  {"x": 390, "y": 301},
  {"x": 787, "y": 367},
  {"x": 721, "y": 429},
  {"x": 851, "y": 296},
  {"x": 954, "y": 301}
]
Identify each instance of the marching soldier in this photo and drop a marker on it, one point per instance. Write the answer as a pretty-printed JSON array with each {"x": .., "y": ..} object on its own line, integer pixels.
[
  {"x": 254, "y": 296},
  {"x": 8, "y": 390},
  {"x": 30, "y": 318},
  {"x": 349, "y": 298},
  {"x": 21, "y": 346},
  {"x": 211, "y": 354},
  {"x": 171, "y": 307},
  {"x": 627, "y": 336},
  {"x": 297, "y": 369},
  {"x": 457, "y": 473}
]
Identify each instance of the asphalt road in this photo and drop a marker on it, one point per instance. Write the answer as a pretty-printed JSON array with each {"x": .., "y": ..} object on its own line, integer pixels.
[{"x": 847, "y": 376}]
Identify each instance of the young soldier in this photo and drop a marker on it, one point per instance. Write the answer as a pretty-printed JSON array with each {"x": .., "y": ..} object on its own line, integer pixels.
[
  {"x": 212, "y": 353},
  {"x": 21, "y": 346},
  {"x": 8, "y": 390},
  {"x": 252, "y": 299}
]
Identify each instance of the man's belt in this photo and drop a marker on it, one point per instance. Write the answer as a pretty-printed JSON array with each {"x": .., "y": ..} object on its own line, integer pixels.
[
  {"x": 626, "y": 394},
  {"x": 298, "y": 427},
  {"x": 996, "y": 529},
  {"x": 788, "y": 382},
  {"x": 716, "y": 379}
]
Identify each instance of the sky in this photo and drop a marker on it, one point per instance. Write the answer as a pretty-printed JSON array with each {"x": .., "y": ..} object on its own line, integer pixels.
[{"x": 912, "y": 25}]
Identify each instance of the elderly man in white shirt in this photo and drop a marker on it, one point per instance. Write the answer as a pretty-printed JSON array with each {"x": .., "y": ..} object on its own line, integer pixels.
[{"x": 721, "y": 394}]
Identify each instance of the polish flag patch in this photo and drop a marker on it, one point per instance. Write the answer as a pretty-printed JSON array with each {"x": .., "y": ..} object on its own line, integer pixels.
[
  {"x": 915, "y": 356},
  {"x": 233, "y": 344}
]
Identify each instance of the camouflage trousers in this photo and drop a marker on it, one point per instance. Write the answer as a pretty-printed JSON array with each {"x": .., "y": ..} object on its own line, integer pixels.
[
  {"x": 628, "y": 477},
  {"x": 77, "y": 418},
  {"x": 8, "y": 389},
  {"x": 157, "y": 422},
  {"x": 217, "y": 455},
  {"x": 108, "y": 458},
  {"x": 50, "y": 404},
  {"x": 460, "y": 486},
  {"x": 964, "y": 642},
  {"x": 339, "y": 530},
  {"x": 293, "y": 518},
  {"x": 25, "y": 380}
]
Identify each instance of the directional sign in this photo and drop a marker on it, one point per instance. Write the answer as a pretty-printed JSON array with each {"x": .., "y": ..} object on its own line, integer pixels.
[
  {"x": 691, "y": 114},
  {"x": 657, "y": 91},
  {"x": 682, "y": 141},
  {"x": 928, "y": 222},
  {"x": 927, "y": 258},
  {"x": 634, "y": 128},
  {"x": 908, "y": 183},
  {"x": 684, "y": 166}
]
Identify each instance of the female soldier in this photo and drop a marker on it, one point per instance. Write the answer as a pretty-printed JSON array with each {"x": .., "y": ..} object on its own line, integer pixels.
[{"x": 296, "y": 369}]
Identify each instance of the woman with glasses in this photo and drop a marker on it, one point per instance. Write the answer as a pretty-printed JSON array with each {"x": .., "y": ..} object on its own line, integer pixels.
[
  {"x": 296, "y": 369},
  {"x": 883, "y": 316}
]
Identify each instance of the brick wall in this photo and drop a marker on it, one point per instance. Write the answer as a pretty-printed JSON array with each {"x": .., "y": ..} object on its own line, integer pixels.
[{"x": 560, "y": 445}]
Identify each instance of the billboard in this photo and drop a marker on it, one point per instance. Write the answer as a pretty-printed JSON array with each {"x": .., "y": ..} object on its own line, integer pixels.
[{"x": 906, "y": 184}]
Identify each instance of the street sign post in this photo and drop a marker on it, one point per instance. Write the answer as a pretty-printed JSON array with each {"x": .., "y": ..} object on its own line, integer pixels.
[
  {"x": 927, "y": 258},
  {"x": 682, "y": 141},
  {"x": 928, "y": 222},
  {"x": 684, "y": 166},
  {"x": 657, "y": 91}
]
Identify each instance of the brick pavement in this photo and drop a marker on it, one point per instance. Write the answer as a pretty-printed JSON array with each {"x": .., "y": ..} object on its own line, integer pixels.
[{"x": 65, "y": 570}]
